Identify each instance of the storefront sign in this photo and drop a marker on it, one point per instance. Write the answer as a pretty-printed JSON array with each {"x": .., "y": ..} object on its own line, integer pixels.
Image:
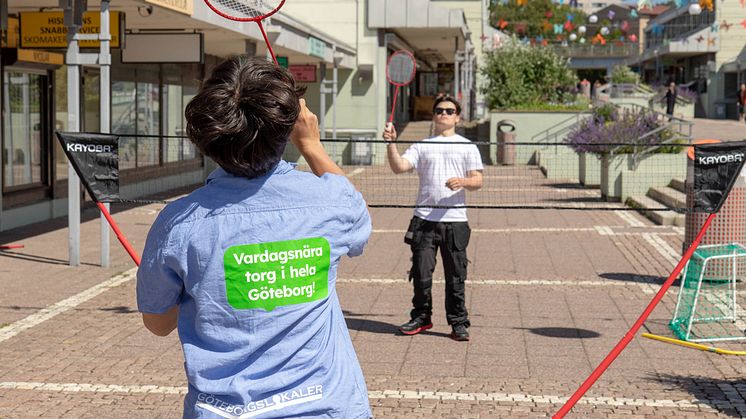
[
  {"x": 282, "y": 61},
  {"x": 303, "y": 73},
  {"x": 181, "y": 6},
  {"x": 316, "y": 47},
  {"x": 47, "y": 29},
  {"x": 163, "y": 48},
  {"x": 40, "y": 57}
]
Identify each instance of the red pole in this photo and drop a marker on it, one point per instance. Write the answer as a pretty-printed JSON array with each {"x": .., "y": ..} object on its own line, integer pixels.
[
  {"x": 119, "y": 234},
  {"x": 601, "y": 368},
  {"x": 10, "y": 246}
]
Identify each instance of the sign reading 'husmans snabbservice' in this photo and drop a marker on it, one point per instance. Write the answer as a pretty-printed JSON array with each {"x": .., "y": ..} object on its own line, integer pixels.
[{"x": 48, "y": 30}]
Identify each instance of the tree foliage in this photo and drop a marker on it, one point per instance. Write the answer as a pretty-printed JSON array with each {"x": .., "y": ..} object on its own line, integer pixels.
[
  {"x": 518, "y": 75},
  {"x": 621, "y": 74}
]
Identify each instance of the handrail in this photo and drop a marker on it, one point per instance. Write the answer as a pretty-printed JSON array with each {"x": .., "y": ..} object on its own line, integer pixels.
[{"x": 548, "y": 132}]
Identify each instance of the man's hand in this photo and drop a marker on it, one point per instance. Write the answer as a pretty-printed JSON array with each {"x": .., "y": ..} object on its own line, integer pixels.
[
  {"x": 471, "y": 183},
  {"x": 455, "y": 183},
  {"x": 305, "y": 134},
  {"x": 389, "y": 133}
]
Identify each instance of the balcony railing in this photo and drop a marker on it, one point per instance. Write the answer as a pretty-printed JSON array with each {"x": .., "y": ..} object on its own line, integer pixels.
[{"x": 609, "y": 50}]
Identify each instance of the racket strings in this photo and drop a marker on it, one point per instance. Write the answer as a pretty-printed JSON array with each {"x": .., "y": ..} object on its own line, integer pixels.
[{"x": 246, "y": 9}]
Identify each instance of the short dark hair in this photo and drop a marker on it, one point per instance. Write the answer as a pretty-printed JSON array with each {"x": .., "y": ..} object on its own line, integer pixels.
[
  {"x": 243, "y": 115},
  {"x": 441, "y": 99}
]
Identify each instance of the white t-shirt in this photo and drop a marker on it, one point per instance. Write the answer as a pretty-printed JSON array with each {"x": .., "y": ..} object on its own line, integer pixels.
[{"x": 435, "y": 164}]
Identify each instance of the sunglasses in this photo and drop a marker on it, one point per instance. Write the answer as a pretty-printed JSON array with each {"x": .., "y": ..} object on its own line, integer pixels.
[{"x": 448, "y": 111}]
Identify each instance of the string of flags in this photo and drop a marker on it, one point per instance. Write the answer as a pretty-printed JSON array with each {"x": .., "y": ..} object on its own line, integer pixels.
[{"x": 609, "y": 30}]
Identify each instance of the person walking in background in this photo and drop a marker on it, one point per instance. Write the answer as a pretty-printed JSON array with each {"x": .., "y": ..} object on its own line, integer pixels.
[
  {"x": 246, "y": 266},
  {"x": 447, "y": 165},
  {"x": 670, "y": 99},
  {"x": 741, "y": 102}
]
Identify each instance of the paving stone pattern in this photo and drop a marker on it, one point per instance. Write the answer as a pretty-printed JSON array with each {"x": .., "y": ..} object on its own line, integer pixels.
[{"x": 549, "y": 291}]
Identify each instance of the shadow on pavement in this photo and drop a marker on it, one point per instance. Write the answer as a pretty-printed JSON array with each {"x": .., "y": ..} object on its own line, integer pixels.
[
  {"x": 356, "y": 321},
  {"x": 36, "y": 258},
  {"x": 561, "y": 332},
  {"x": 637, "y": 278},
  {"x": 723, "y": 395}
]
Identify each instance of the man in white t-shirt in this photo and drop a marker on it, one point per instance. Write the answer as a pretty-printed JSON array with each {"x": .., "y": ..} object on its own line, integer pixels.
[{"x": 447, "y": 165}]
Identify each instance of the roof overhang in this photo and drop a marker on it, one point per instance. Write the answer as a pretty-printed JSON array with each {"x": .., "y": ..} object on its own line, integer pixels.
[
  {"x": 222, "y": 37},
  {"x": 434, "y": 32}
]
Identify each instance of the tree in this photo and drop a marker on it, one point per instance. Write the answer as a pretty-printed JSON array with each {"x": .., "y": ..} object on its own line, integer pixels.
[{"x": 518, "y": 75}]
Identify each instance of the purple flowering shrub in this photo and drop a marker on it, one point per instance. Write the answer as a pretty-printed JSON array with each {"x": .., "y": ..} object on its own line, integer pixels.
[{"x": 613, "y": 130}]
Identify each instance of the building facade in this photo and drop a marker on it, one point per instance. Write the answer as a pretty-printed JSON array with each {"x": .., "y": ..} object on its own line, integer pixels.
[
  {"x": 703, "y": 52},
  {"x": 338, "y": 48}
]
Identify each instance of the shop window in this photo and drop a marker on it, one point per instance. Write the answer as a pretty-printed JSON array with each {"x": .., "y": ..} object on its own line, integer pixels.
[{"x": 22, "y": 128}]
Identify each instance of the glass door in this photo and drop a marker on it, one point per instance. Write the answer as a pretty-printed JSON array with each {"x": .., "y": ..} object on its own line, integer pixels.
[{"x": 24, "y": 129}]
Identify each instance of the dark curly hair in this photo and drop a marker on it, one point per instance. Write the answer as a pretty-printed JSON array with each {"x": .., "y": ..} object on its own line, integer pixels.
[{"x": 243, "y": 115}]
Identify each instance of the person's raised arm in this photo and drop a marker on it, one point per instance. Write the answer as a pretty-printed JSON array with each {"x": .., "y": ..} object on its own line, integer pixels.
[
  {"x": 306, "y": 138},
  {"x": 396, "y": 161}
]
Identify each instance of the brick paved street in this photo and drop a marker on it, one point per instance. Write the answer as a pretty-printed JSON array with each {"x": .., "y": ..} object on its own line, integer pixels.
[{"x": 550, "y": 292}]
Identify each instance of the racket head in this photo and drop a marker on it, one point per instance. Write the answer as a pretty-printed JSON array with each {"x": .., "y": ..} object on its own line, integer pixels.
[
  {"x": 245, "y": 10},
  {"x": 401, "y": 68}
]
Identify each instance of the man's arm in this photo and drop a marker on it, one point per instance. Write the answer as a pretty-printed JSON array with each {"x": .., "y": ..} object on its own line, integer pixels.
[
  {"x": 161, "y": 324},
  {"x": 307, "y": 140},
  {"x": 471, "y": 182},
  {"x": 398, "y": 163}
]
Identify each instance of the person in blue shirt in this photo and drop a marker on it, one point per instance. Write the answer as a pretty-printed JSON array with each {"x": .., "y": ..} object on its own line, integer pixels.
[{"x": 245, "y": 267}]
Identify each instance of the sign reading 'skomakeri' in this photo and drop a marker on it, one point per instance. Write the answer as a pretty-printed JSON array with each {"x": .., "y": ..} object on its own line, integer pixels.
[{"x": 270, "y": 275}]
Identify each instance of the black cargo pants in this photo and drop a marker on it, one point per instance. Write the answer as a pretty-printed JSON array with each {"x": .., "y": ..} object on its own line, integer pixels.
[{"x": 452, "y": 238}]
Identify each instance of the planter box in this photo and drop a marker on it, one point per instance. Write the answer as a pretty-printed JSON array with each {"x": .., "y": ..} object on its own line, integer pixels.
[
  {"x": 561, "y": 163},
  {"x": 621, "y": 177},
  {"x": 589, "y": 170}
]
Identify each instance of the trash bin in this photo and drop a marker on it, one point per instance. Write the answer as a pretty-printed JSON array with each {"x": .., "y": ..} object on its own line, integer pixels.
[
  {"x": 505, "y": 138},
  {"x": 729, "y": 226},
  {"x": 361, "y": 151}
]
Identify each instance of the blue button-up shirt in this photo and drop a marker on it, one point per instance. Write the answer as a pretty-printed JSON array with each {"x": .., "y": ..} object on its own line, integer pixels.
[{"x": 252, "y": 264}]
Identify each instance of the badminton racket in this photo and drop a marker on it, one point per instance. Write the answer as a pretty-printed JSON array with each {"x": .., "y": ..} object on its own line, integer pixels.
[{"x": 248, "y": 11}]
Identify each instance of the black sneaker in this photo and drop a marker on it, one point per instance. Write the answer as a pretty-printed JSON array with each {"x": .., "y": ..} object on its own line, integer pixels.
[
  {"x": 415, "y": 326},
  {"x": 460, "y": 332}
]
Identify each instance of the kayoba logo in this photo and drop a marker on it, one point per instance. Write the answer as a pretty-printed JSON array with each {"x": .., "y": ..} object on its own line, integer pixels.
[
  {"x": 90, "y": 148},
  {"x": 725, "y": 158}
]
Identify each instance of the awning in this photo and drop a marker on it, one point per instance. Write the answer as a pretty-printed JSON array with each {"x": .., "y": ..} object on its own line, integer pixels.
[{"x": 434, "y": 32}]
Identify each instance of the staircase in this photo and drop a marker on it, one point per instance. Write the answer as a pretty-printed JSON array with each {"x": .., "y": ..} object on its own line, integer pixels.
[
  {"x": 414, "y": 131},
  {"x": 671, "y": 196}
]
